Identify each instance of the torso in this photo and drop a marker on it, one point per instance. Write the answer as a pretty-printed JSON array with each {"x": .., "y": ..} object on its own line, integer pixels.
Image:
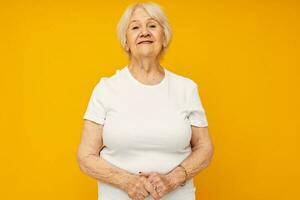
[{"x": 146, "y": 129}]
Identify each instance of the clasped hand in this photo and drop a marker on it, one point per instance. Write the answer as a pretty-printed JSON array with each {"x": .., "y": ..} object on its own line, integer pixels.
[{"x": 152, "y": 183}]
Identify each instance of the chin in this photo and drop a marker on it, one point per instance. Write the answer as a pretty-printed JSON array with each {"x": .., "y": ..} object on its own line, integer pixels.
[{"x": 147, "y": 54}]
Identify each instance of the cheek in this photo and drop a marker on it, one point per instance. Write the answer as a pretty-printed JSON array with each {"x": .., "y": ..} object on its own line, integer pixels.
[
  {"x": 131, "y": 40},
  {"x": 158, "y": 35},
  {"x": 131, "y": 37}
]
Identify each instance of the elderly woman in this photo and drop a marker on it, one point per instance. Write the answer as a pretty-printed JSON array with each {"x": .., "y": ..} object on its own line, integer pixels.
[{"x": 145, "y": 133}]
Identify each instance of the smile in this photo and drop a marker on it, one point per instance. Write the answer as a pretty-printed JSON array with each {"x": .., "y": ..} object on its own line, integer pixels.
[{"x": 145, "y": 42}]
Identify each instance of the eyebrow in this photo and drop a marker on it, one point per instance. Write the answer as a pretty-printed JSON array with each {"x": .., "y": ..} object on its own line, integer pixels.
[{"x": 139, "y": 20}]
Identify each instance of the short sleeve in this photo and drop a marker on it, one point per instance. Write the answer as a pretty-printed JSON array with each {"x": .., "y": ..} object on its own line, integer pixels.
[
  {"x": 96, "y": 110},
  {"x": 196, "y": 111}
]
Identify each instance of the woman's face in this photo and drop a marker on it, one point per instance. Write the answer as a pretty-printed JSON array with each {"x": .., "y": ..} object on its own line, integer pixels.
[{"x": 145, "y": 36}]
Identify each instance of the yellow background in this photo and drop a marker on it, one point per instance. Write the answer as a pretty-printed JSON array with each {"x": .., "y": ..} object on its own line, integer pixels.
[{"x": 243, "y": 54}]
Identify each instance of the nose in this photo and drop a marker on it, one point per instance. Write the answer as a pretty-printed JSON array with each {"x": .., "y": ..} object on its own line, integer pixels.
[{"x": 145, "y": 32}]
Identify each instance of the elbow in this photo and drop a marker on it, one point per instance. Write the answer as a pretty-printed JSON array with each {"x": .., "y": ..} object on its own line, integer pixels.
[
  {"x": 211, "y": 149},
  {"x": 210, "y": 154},
  {"x": 81, "y": 161}
]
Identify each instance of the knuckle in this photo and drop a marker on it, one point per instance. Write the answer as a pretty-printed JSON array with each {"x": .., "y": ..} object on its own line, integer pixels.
[
  {"x": 143, "y": 179},
  {"x": 137, "y": 185},
  {"x": 156, "y": 179},
  {"x": 130, "y": 194}
]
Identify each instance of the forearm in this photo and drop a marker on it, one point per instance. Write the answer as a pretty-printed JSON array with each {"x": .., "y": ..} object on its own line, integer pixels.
[
  {"x": 194, "y": 163},
  {"x": 199, "y": 159},
  {"x": 98, "y": 168}
]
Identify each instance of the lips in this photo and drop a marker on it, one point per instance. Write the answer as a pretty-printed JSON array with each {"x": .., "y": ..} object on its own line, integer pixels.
[{"x": 145, "y": 42}]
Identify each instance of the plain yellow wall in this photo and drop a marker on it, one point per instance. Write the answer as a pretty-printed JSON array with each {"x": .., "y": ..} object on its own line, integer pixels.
[{"x": 243, "y": 54}]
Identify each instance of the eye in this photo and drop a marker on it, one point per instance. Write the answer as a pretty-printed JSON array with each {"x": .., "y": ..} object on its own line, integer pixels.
[
  {"x": 135, "y": 27},
  {"x": 152, "y": 26}
]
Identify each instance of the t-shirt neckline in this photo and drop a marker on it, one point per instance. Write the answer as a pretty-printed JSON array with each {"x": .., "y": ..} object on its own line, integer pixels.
[{"x": 145, "y": 85}]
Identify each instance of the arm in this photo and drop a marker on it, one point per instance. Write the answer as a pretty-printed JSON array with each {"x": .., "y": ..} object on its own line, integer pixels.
[
  {"x": 200, "y": 158},
  {"x": 90, "y": 163}
]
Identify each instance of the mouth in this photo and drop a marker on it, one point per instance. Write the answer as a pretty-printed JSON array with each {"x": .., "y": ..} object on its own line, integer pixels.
[{"x": 145, "y": 42}]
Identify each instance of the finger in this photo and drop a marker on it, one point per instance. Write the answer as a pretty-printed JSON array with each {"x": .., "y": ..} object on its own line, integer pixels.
[
  {"x": 143, "y": 190},
  {"x": 154, "y": 176},
  {"x": 139, "y": 190},
  {"x": 154, "y": 179},
  {"x": 142, "y": 197},
  {"x": 149, "y": 187},
  {"x": 153, "y": 192}
]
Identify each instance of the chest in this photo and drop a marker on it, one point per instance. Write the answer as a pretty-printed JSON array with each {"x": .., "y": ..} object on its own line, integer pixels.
[{"x": 147, "y": 120}]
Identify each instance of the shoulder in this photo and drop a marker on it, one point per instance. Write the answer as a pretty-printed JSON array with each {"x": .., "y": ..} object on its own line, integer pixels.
[
  {"x": 181, "y": 81},
  {"x": 109, "y": 81}
]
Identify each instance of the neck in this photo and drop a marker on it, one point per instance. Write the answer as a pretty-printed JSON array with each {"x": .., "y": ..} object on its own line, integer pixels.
[{"x": 146, "y": 65}]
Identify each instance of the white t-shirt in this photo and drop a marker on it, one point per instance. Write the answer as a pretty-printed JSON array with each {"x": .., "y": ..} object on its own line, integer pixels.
[{"x": 146, "y": 127}]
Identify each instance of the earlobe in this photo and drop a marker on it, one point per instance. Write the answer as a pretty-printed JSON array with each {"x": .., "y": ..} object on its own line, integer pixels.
[
  {"x": 126, "y": 46},
  {"x": 164, "y": 44}
]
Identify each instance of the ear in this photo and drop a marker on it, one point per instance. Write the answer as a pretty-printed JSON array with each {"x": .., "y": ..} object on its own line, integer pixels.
[
  {"x": 126, "y": 46},
  {"x": 165, "y": 43}
]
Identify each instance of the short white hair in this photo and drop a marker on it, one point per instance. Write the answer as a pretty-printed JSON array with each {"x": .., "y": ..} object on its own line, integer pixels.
[{"x": 155, "y": 11}]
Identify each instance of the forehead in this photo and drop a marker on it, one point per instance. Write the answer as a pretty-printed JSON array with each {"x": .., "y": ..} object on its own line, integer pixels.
[{"x": 140, "y": 15}]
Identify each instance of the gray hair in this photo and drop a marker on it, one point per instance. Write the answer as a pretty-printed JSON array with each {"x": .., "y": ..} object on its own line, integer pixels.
[{"x": 155, "y": 11}]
